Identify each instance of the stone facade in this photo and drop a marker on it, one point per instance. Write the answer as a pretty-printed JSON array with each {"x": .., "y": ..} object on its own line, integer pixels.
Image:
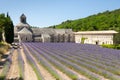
[
  {"x": 95, "y": 37},
  {"x": 24, "y": 33}
]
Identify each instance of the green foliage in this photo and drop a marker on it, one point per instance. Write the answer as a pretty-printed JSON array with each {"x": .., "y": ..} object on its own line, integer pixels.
[
  {"x": 4, "y": 48},
  {"x": 36, "y": 71},
  {"x": 83, "y": 40},
  {"x": 118, "y": 47},
  {"x": 111, "y": 46},
  {"x": 108, "y": 20},
  {"x": 108, "y": 46},
  {"x": 5, "y": 70},
  {"x": 6, "y": 26},
  {"x": 9, "y": 30},
  {"x": 2, "y": 23},
  {"x": 117, "y": 38}
]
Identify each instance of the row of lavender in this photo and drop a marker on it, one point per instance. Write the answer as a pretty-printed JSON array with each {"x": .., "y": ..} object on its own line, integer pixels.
[
  {"x": 46, "y": 64},
  {"x": 91, "y": 61}
]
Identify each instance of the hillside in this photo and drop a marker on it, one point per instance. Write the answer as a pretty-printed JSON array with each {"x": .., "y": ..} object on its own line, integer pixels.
[{"x": 108, "y": 20}]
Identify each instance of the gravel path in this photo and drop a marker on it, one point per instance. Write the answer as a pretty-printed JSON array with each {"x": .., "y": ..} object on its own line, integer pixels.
[
  {"x": 14, "y": 69},
  {"x": 29, "y": 73}
]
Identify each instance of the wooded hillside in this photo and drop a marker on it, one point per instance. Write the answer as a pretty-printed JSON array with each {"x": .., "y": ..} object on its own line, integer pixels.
[{"x": 108, "y": 20}]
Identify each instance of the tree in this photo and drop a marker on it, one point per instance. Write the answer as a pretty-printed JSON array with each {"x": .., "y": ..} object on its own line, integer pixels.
[
  {"x": 2, "y": 24},
  {"x": 9, "y": 30},
  {"x": 116, "y": 38}
]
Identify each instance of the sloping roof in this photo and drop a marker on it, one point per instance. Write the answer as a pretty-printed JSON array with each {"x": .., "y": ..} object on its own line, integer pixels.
[
  {"x": 23, "y": 24},
  {"x": 68, "y": 31},
  {"x": 37, "y": 31},
  {"x": 60, "y": 31},
  {"x": 50, "y": 31},
  {"x": 25, "y": 31},
  {"x": 43, "y": 31},
  {"x": 96, "y": 32}
]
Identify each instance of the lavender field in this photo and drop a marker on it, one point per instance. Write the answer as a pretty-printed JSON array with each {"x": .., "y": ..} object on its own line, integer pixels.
[{"x": 68, "y": 61}]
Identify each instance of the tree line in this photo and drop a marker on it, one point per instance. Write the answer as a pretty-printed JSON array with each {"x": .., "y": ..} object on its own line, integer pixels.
[{"x": 6, "y": 28}]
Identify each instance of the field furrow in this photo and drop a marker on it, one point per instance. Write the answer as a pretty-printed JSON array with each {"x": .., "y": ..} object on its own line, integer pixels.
[{"x": 28, "y": 71}]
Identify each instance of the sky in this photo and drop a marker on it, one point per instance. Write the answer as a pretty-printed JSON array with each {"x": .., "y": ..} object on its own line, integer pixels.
[{"x": 44, "y": 13}]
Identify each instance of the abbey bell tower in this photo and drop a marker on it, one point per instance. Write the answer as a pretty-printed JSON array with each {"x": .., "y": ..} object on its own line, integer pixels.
[
  {"x": 23, "y": 23},
  {"x": 23, "y": 18}
]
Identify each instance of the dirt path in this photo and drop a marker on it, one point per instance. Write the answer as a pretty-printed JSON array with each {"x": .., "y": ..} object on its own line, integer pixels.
[
  {"x": 0, "y": 71},
  {"x": 63, "y": 76},
  {"x": 79, "y": 75},
  {"x": 45, "y": 74},
  {"x": 29, "y": 73},
  {"x": 14, "y": 69}
]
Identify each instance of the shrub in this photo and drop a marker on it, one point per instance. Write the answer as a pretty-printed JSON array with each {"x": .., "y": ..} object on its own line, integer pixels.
[
  {"x": 111, "y": 46},
  {"x": 3, "y": 48}
]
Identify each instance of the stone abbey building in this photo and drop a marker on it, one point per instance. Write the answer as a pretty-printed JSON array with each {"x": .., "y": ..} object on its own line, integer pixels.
[{"x": 23, "y": 32}]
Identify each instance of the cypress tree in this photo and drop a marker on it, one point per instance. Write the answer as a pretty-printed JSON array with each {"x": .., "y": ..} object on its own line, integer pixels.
[{"x": 9, "y": 30}]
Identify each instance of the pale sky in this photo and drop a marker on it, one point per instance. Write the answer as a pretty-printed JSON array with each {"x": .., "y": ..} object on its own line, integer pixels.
[{"x": 44, "y": 13}]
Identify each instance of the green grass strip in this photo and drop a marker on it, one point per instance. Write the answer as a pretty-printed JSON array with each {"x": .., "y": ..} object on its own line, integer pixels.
[{"x": 5, "y": 70}]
